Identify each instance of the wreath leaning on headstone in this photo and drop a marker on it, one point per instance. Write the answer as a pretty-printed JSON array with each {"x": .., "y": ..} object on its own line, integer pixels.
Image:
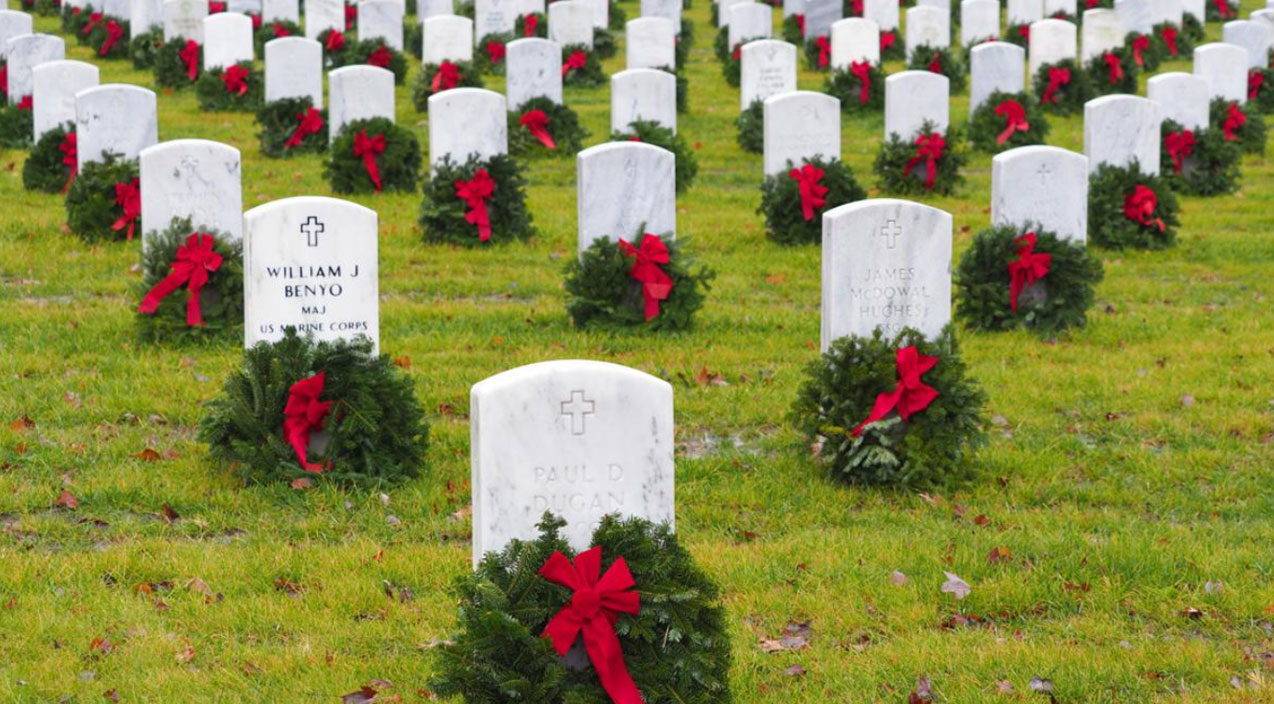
[
  {"x": 1114, "y": 71},
  {"x": 274, "y": 29},
  {"x": 144, "y": 46},
  {"x": 1146, "y": 52},
  {"x": 1130, "y": 209},
  {"x": 488, "y": 53},
  {"x": 818, "y": 54},
  {"x": 793, "y": 202},
  {"x": 897, "y": 411},
  {"x": 178, "y": 63},
  {"x": 234, "y": 88},
  {"x": 74, "y": 19},
  {"x": 751, "y": 124},
  {"x": 687, "y": 166},
  {"x": 531, "y": 24},
  {"x": 664, "y": 612},
  {"x": 104, "y": 201},
  {"x": 1006, "y": 121},
  {"x": 793, "y": 29},
  {"x": 109, "y": 38},
  {"x": 51, "y": 166},
  {"x": 478, "y": 202},
  {"x": 1063, "y": 87},
  {"x": 435, "y": 78},
  {"x": 291, "y": 126},
  {"x": 1173, "y": 42},
  {"x": 1025, "y": 277},
  {"x": 604, "y": 43},
  {"x": 325, "y": 411},
  {"x": 1222, "y": 10},
  {"x": 375, "y": 52},
  {"x": 1192, "y": 29},
  {"x": 1243, "y": 127},
  {"x": 373, "y": 155},
  {"x": 1199, "y": 162},
  {"x": 581, "y": 67},
  {"x": 191, "y": 287},
  {"x": 929, "y": 162},
  {"x": 942, "y": 60},
  {"x": 542, "y": 127},
  {"x": 1260, "y": 90},
  {"x": 891, "y": 46},
  {"x": 1019, "y": 34},
  {"x": 649, "y": 282},
  {"x": 860, "y": 87},
  {"x": 16, "y": 124}
]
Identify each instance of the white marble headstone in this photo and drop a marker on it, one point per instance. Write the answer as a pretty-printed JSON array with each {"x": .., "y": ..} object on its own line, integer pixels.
[
  {"x": 601, "y": 12},
  {"x": 1137, "y": 15},
  {"x": 528, "y": 7},
  {"x": 1102, "y": 31},
  {"x": 294, "y": 69},
  {"x": 1183, "y": 98},
  {"x": 383, "y": 20},
  {"x": 927, "y": 26},
  {"x": 358, "y": 93},
  {"x": 1254, "y": 36},
  {"x": 533, "y": 69},
  {"x": 667, "y": 9},
  {"x": 766, "y": 67},
  {"x": 1041, "y": 186},
  {"x": 227, "y": 40},
  {"x": 464, "y": 122},
  {"x": 433, "y": 8},
  {"x": 1225, "y": 68},
  {"x": 13, "y": 24},
  {"x": 651, "y": 42},
  {"x": 493, "y": 17},
  {"x": 1052, "y": 41},
  {"x": 184, "y": 18},
  {"x": 913, "y": 98},
  {"x": 1119, "y": 129},
  {"x": 579, "y": 438},
  {"x": 1198, "y": 8},
  {"x": 820, "y": 15},
  {"x": 143, "y": 15},
  {"x": 322, "y": 15},
  {"x": 885, "y": 13},
  {"x": 280, "y": 11},
  {"x": 23, "y": 53},
  {"x": 1266, "y": 16},
  {"x": 195, "y": 179},
  {"x": 886, "y": 265},
  {"x": 1170, "y": 11},
  {"x": 643, "y": 94},
  {"x": 855, "y": 40},
  {"x": 799, "y": 126},
  {"x": 246, "y": 7},
  {"x": 310, "y": 263},
  {"x": 979, "y": 21},
  {"x": 571, "y": 23},
  {"x": 995, "y": 66},
  {"x": 1053, "y": 8},
  {"x": 749, "y": 20},
  {"x": 623, "y": 186},
  {"x": 54, "y": 85},
  {"x": 114, "y": 117},
  {"x": 447, "y": 38},
  {"x": 1024, "y": 11},
  {"x": 793, "y": 7}
]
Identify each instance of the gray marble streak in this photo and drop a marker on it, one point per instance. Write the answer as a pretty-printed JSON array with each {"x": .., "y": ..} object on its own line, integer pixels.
[
  {"x": 643, "y": 94},
  {"x": 1052, "y": 41},
  {"x": 143, "y": 15},
  {"x": 749, "y": 20},
  {"x": 23, "y": 53},
  {"x": 13, "y": 24},
  {"x": 927, "y": 26},
  {"x": 651, "y": 42},
  {"x": 885, "y": 13},
  {"x": 1254, "y": 36},
  {"x": 322, "y": 15},
  {"x": 227, "y": 40},
  {"x": 571, "y": 22},
  {"x": 381, "y": 19},
  {"x": 1102, "y": 31},
  {"x": 979, "y": 20},
  {"x": 820, "y": 15},
  {"x": 358, "y": 93}
]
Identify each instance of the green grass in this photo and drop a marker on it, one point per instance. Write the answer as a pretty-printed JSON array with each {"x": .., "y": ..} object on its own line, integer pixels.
[{"x": 1131, "y": 463}]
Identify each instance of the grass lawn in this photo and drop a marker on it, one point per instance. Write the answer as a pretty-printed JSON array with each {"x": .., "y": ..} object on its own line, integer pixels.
[{"x": 1124, "y": 488}]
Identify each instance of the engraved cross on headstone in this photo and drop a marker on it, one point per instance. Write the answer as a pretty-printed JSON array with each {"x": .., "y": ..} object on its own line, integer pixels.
[
  {"x": 578, "y": 408},
  {"x": 1044, "y": 171},
  {"x": 312, "y": 228},
  {"x": 890, "y": 232}
]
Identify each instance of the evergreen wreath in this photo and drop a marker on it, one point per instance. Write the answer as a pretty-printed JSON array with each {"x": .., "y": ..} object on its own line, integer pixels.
[
  {"x": 896, "y": 154},
  {"x": 1114, "y": 222},
  {"x": 1098, "y": 4},
  {"x": 336, "y": 48},
  {"x": 487, "y": 58},
  {"x": 676, "y": 648},
  {"x": 465, "y": 76},
  {"x": 1209, "y": 165},
  {"x": 170, "y": 69},
  {"x": 280, "y": 120},
  {"x": 793, "y": 29},
  {"x": 1056, "y": 301},
  {"x": 46, "y": 169},
  {"x": 617, "y": 16},
  {"x": 215, "y": 93},
  {"x": 562, "y": 127},
  {"x": 943, "y": 60},
  {"x": 443, "y": 212},
  {"x": 680, "y": 51},
  {"x": 751, "y": 124},
  {"x": 84, "y": 21},
  {"x": 732, "y": 65},
  {"x": 683, "y": 89},
  {"x": 109, "y": 38},
  {"x": 891, "y": 46},
  {"x": 465, "y": 8},
  {"x": 1147, "y": 47},
  {"x": 721, "y": 44},
  {"x": 1108, "y": 76},
  {"x": 92, "y": 206},
  {"x": 601, "y": 292},
  {"x": 1260, "y": 90},
  {"x": 852, "y": 85},
  {"x": 74, "y": 19},
  {"x": 934, "y": 447},
  {"x": 220, "y": 299},
  {"x": 1244, "y": 127},
  {"x": 1173, "y": 42},
  {"x": 581, "y": 67},
  {"x": 378, "y": 432},
  {"x": 541, "y": 29},
  {"x": 686, "y": 39},
  {"x": 604, "y": 43},
  {"x": 1062, "y": 15},
  {"x": 398, "y": 165},
  {"x": 414, "y": 39},
  {"x": 687, "y": 166},
  {"x": 275, "y": 29},
  {"x": 989, "y": 130},
  {"x": 1019, "y": 34},
  {"x": 1222, "y": 10},
  {"x": 781, "y": 203},
  {"x": 1192, "y": 29},
  {"x": 375, "y": 52},
  {"x": 1069, "y": 98},
  {"x": 45, "y": 8},
  {"x": 16, "y": 124},
  {"x": 818, "y": 54},
  {"x": 143, "y": 48}
]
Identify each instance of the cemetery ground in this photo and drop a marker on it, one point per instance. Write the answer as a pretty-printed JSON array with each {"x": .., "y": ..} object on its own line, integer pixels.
[{"x": 1115, "y": 540}]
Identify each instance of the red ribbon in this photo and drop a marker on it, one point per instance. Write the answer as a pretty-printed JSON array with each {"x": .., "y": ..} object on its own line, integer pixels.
[
  {"x": 381, "y": 57},
  {"x": 311, "y": 121},
  {"x": 1224, "y": 7},
  {"x": 1234, "y": 122},
  {"x": 1025, "y": 32},
  {"x": 887, "y": 40},
  {"x": 114, "y": 33},
  {"x": 935, "y": 66},
  {"x": 1168, "y": 34},
  {"x": 281, "y": 30},
  {"x": 195, "y": 260},
  {"x": 1180, "y": 145},
  {"x": 595, "y": 607},
  {"x": 1057, "y": 77},
  {"x": 737, "y": 54},
  {"x": 1116, "y": 66},
  {"x": 475, "y": 193},
  {"x": 128, "y": 197},
  {"x": 351, "y": 16},
  {"x": 256, "y": 21},
  {"x": 529, "y": 25},
  {"x": 824, "y": 51},
  {"x": 303, "y": 413},
  {"x": 448, "y": 77},
  {"x": 537, "y": 121},
  {"x": 577, "y": 60},
  {"x": 929, "y": 148},
  {"x": 215, "y": 7},
  {"x": 335, "y": 41},
  {"x": 1029, "y": 267},
  {"x": 910, "y": 396},
  {"x": 655, "y": 284},
  {"x": 4, "y": 79},
  {"x": 1014, "y": 119},
  {"x": 93, "y": 20},
  {"x": 800, "y": 22},
  {"x": 366, "y": 148},
  {"x": 1255, "y": 81},
  {"x": 813, "y": 193},
  {"x": 70, "y": 158},
  {"x": 235, "y": 78},
  {"x": 26, "y": 103},
  {"x": 189, "y": 55},
  {"x": 862, "y": 71},
  {"x": 1140, "y": 43},
  {"x": 1139, "y": 206},
  {"x": 495, "y": 52}
]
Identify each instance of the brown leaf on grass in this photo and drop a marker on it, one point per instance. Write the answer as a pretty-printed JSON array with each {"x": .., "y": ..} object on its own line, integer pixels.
[
  {"x": 1192, "y": 613},
  {"x": 981, "y": 520},
  {"x": 934, "y": 500},
  {"x": 302, "y": 483},
  {"x": 169, "y": 515},
  {"x": 923, "y": 693},
  {"x": 1187, "y": 400},
  {"x": 186, "y": 654},
  {"x": 66, "y": 500},
  {"x": 23, "y": 423},
  {"x": 999, "y": 554},
  {"x": 463, "y": 513},
  {"x": 101, "y": 646},
  {"x": 774, "y": 279},
  {"x": 795, "y": 671},
  {"x": 150, "y": 454},
  {"x": 71, "y": 399},
  {"x": 796, "y": 636},
  {"x": 959, "y": 510},
  {"x": 110, "y": 695},
  {"x": 199, "y": 586},
  {"x": 289, "y": 587},
  {"x": 898, "y": 579},
  {"x": 955, "y": 586},
  {"x": 402, "y": 362},
  {"x": 708, "y": 378},
  {"x": 365, "y": 695},
  {"x": 1004, "y": 687}
]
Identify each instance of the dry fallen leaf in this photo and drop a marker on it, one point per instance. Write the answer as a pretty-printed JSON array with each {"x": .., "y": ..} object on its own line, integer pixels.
[
  {"x": 794, "y": 671},
  {"x": 365, "y": 695},
  {"x": 999, "y": 554},
  {"x": 898, "y": 579},
  {"x": 955, "y": 586},
  {"x": 796, "y": 636},
  {"x": 148, "y": 455},
  {"x": 923, "y": 692},
  {"x": 66, "y": 500},
  {"x": 187, "y": 654}
]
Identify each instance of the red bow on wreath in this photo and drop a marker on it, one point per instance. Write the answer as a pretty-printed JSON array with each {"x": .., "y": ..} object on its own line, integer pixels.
[
  {"x": 1029, "y": 267},
  {"x": 189, "y": 56},
  {"x": 114, "y": 33},
  {"x": 862, "y": 71},
  {"x": 935, "y": 66},
  {"x": 1025, "y": 33},
  {"x": 596, "y": 603},
  {"x": 448, "y": 77},
  {"x": 311, "y": 121},
  {"x": 93, "y": 20},
  {"x": 577, "y": 60},
  {"x": 4, "y": 79},
  {"x": 1116, "y": 66},
  {"x": 929, "y": 148},
  {"x": 1234, "y": 121},
  {"x": 537, "y": 121},
  {"x": 1180, "y": 145},
  {"x": 303, "y": 413},
  {"x": 215, "y": 7},
  {"x": 1140, "y": 43},
  {"x": 70, "y": 158},
  {"x": 1168, "y": 34},
  {"x": 256, "y": 21},
  {"x": 1139, "y": 206},
  {"x": 824, "y": 51},
  {"x": 887, "y": 40},
  {"x": 381, "y": 58},
  {"x": 800, "y": 22},
  {"x": 351, "y": 16},
  {"x": 195, "y": 260},
  {"x": 128, "y": 197},
  {"x": 335, "y": 41},
  {"x": 656, "y": 285},
  {"x": 26, "y": 103},
  {"x": 475, "y": 193},
  {"x": 1014, "y": 119},
  {"x": 737, "y": 54},
  {"x": 366, "y": 148},
  {"x": 1224, "y": 7},
  {"x": 235, "y": 78},
  {"x": 1057, "y": 77},
  {"x": 910, "y": 396},
  {"x": 855, "y": 8},
  {"x": 529, "y": 25},
  {"x": 495, "y": 52},
  {"x": 813, "y": 193},
  {"x": 1091, "y": 4},
  {"x": 1255, "y": 81},
  {"x": 281, "y": 30}
]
